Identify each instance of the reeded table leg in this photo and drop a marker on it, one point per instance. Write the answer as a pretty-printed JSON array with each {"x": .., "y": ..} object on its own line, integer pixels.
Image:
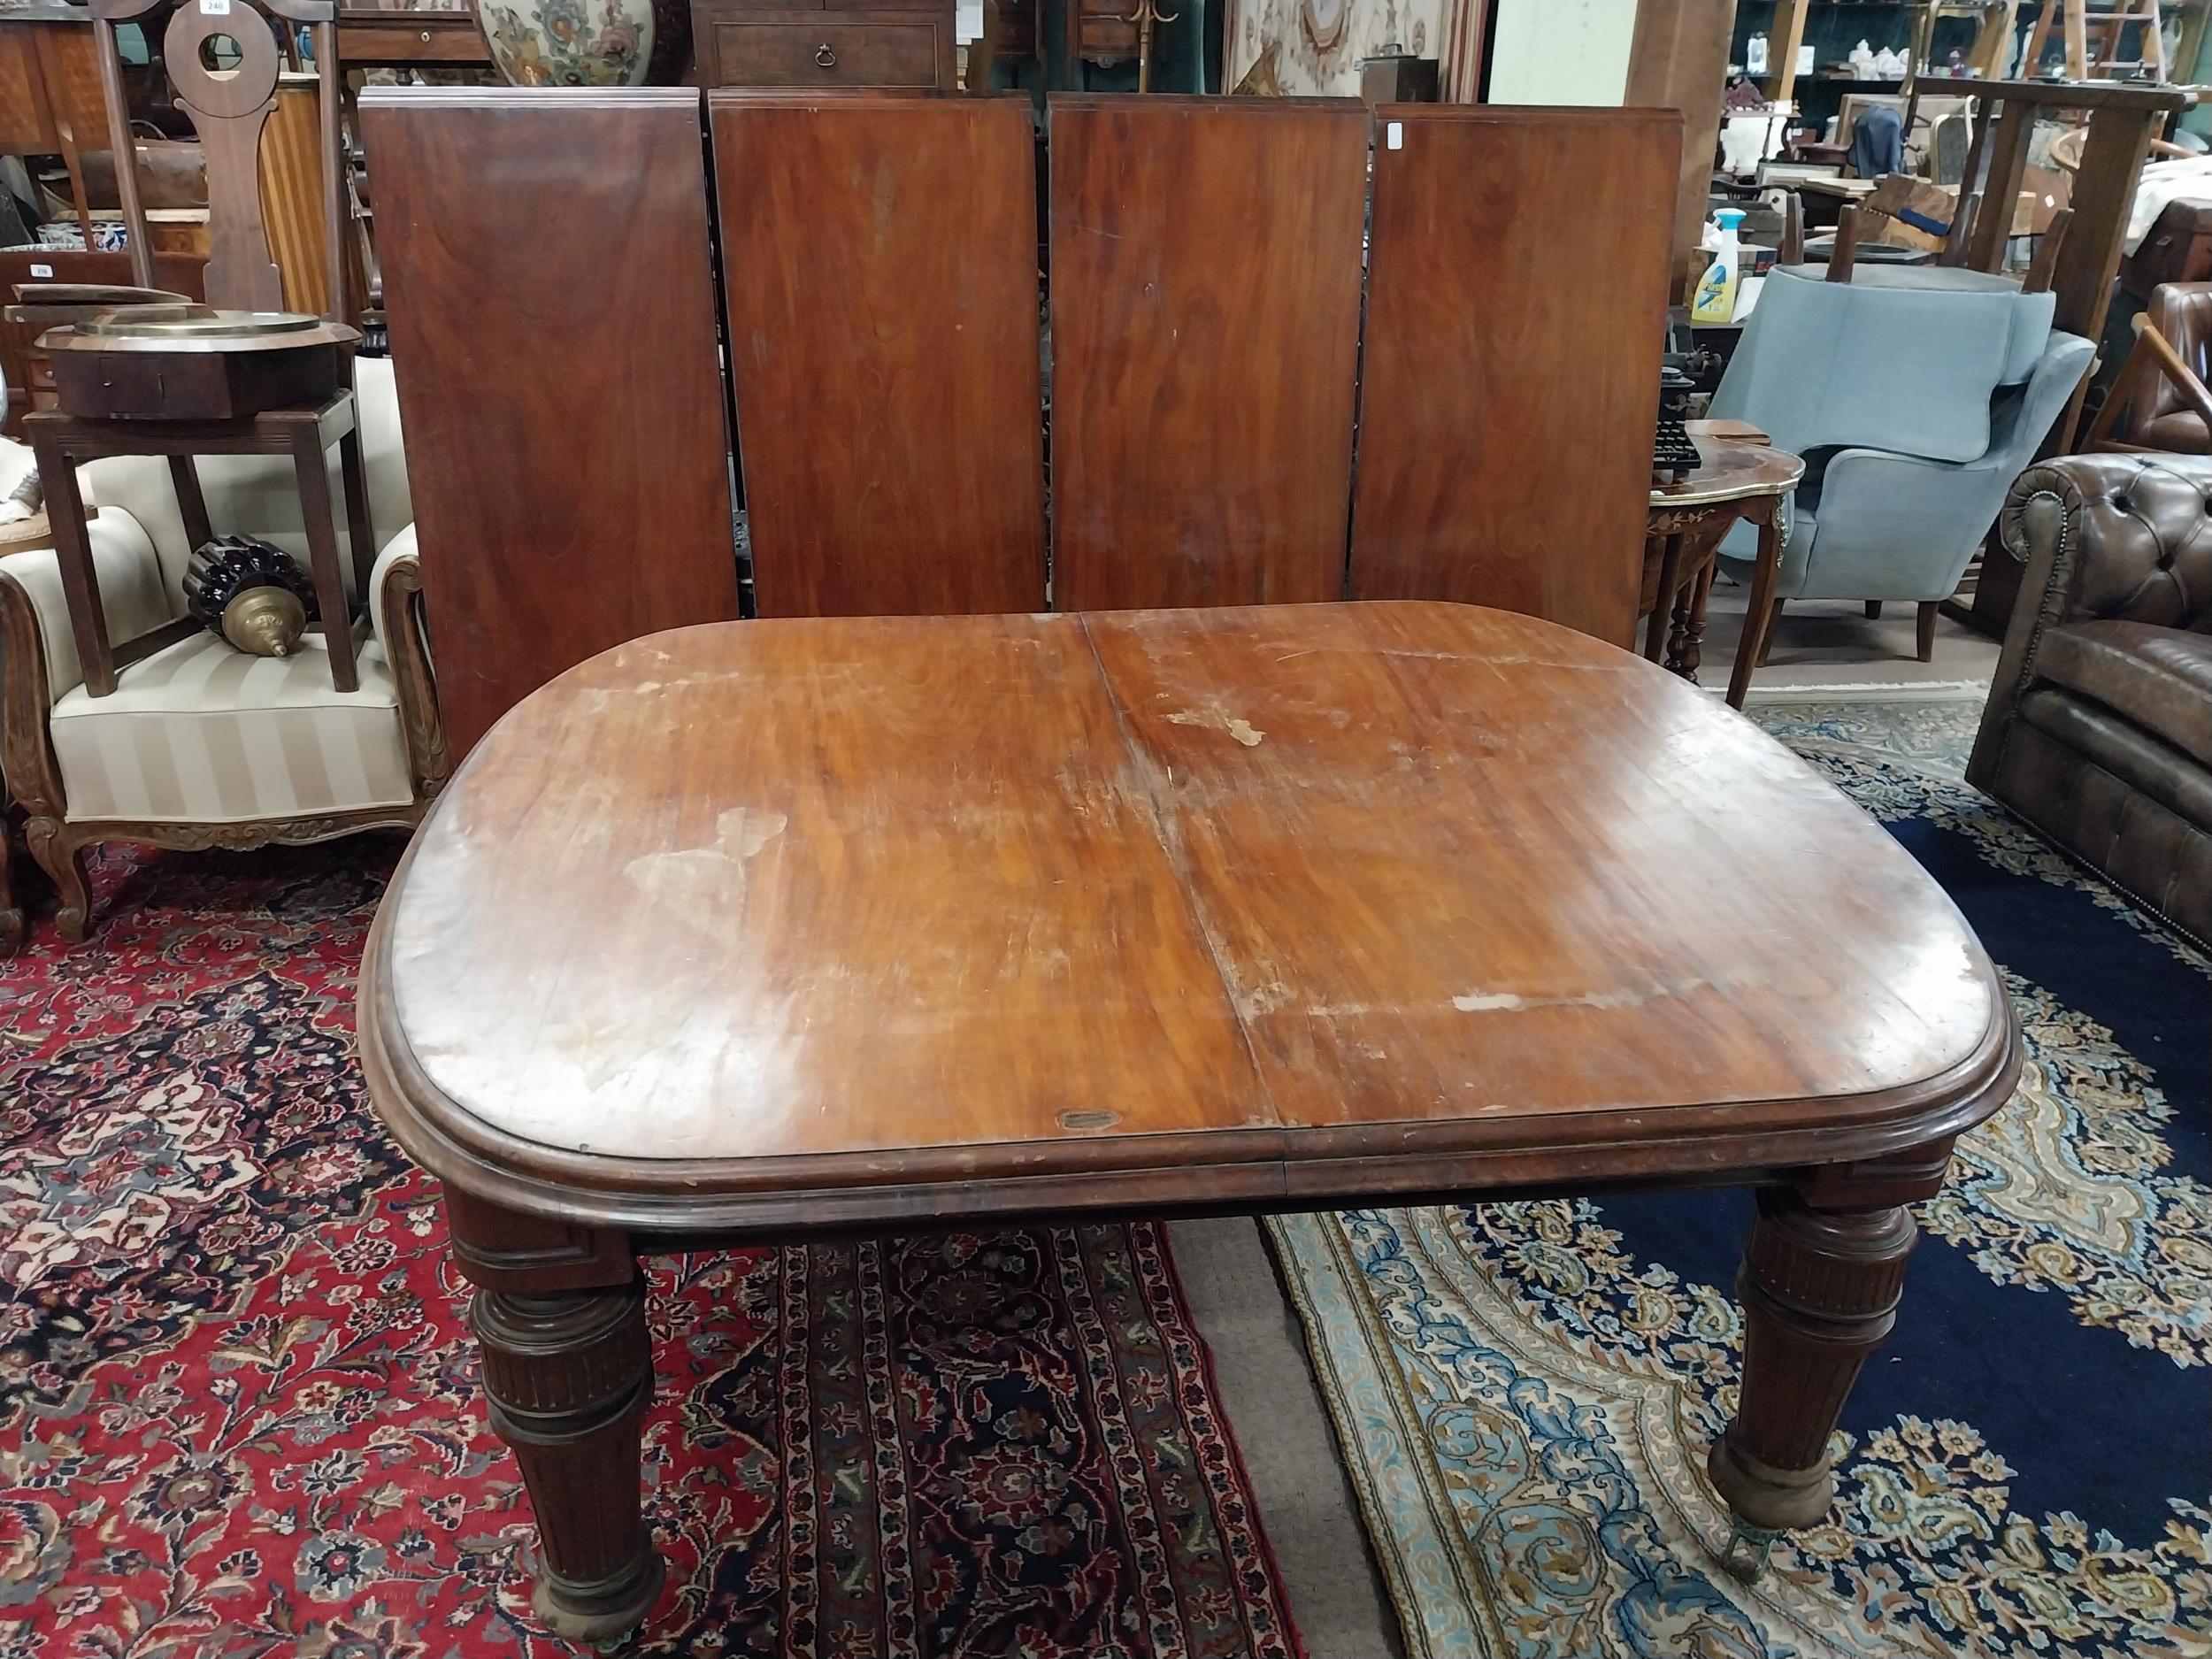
[
  {"x": 1820, "y": 1289},
  {"x": 569, "y": 1375},
  {"x": 568, "y": 1366}
]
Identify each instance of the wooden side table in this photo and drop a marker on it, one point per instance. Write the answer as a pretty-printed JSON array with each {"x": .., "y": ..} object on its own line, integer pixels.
[{"x": 1688, "y": 520}]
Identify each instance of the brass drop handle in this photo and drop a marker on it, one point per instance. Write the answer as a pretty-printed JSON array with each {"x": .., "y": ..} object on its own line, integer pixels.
[{"x": 825, "y": 57}]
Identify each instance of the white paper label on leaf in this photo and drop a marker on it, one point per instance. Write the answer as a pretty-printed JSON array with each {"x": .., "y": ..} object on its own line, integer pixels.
[
  {"x": 1393, "y": 132},
  {"x": 214, "y": 8},
  {"x": 42, "y": 270}
]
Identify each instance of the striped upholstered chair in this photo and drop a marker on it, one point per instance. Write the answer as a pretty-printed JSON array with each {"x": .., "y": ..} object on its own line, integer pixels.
[{"x": 200, "y": 745}]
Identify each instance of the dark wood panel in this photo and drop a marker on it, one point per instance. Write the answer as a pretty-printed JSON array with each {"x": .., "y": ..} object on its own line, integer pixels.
[
  {"x": 879, "y": 264},
  {"x": 548, "y": 283},
  {"x": 1516, "y": 311},
  {"x": 1205, "y": 332}
]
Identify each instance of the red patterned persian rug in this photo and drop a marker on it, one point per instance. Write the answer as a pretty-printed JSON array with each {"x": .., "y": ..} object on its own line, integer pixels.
[{"x": 238, "y": 1405}]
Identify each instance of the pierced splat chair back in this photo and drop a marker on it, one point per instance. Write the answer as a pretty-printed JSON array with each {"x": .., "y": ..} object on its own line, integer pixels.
[{"x": 223, "y": 59}]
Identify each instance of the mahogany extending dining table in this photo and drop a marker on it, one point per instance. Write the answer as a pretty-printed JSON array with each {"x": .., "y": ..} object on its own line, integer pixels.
[{"x": 769, "y": 930}]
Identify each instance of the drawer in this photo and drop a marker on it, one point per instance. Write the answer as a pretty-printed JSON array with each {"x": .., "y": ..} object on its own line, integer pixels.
[
  {"x": 826, "y": 55},
  {"x": 40, "y": 372},
  {"x": 1104, "y": 32},
  {"x": 404, "y": 42}
]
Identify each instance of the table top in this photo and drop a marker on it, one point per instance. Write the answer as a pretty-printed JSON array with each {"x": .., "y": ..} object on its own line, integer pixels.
[
  {"x": 1730, "y": 469},
  {"x": 801, "y": 923}
]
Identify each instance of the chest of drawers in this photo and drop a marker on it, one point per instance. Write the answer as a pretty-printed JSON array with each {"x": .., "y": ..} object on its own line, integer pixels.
[{"x": 830, "y": 43}]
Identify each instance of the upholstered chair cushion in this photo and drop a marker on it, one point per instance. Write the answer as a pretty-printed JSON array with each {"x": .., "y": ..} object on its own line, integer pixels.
[
  {"x": 2183, "y": 431},
  {"x": 2159, "y": 677},
  {"x": 2182, "y": 312},
  {"x": 202, "y": 734}
]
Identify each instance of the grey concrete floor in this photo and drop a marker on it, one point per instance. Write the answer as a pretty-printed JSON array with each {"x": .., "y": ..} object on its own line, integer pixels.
[
  {"x": 1831, "y": 642},
  {"x": 1275, "y": 1410}
]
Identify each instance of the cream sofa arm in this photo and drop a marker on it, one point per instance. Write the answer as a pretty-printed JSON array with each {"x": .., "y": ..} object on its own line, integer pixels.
[
  {"x": 133, "y": 595},
  {"x": 384, "y": 603},
  {"x": 395, "y": 619},
  {"x": 38, "y": 646}
]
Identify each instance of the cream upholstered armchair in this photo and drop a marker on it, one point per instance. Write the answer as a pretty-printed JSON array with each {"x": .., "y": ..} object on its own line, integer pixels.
[{"x": 201, "y": 745}]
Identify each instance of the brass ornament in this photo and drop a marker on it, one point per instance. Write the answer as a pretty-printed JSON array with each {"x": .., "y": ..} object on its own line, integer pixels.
[
  {"x": 265, "y": 621},
  {"x": 252, "y": 593}
]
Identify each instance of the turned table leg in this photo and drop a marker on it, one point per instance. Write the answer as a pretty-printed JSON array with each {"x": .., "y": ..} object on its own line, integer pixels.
[
  {"x": 1686, "y": 645},
  {"x": 1820, "y": 1289},
  {"x": 1663, "y": 606},
  {"x": 1764, "y": 609},
  {"x": 569, "y": 1377},
  {"x": 559, "y": 1313}
]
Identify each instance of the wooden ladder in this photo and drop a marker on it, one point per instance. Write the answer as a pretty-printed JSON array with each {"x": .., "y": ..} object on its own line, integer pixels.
[
  {"x": 1992, "y": 45},
  {"x": 2103, "y": 28}
]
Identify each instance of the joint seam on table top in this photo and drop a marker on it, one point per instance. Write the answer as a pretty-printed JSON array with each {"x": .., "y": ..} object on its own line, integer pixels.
[{"x": 1170, "y": 841}]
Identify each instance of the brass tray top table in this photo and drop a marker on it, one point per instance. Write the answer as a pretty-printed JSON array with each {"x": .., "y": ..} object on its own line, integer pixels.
[{"x": 765, "y": 930}]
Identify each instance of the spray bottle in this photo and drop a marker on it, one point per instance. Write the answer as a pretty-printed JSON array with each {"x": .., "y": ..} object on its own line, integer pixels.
[{"x": 1715, "y": 300}]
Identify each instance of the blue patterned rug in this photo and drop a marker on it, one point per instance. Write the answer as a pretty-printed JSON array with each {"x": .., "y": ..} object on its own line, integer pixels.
[{"x": 1524, "y": 1392}]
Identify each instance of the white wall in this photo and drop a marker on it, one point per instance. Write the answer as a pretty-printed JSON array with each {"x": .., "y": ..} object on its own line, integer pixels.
[{"x": 1562, "y": 52}]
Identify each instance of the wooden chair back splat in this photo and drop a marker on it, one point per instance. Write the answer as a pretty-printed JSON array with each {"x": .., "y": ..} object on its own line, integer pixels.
[{"x": 228, "y": 107}]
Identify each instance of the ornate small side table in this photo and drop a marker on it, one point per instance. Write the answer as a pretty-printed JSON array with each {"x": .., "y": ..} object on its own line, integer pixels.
[{"x": 1738, "y": 479}]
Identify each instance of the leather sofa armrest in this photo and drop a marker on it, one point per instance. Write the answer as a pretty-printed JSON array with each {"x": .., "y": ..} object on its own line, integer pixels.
[{"x": 2127, "y": 537}]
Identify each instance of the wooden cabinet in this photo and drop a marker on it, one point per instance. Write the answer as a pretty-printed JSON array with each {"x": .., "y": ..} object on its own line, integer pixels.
[{"x": 831, "y": 44}]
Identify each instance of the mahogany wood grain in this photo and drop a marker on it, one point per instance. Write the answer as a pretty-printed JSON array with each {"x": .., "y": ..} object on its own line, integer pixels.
[
  {"x": 585, "y": 502},
  {"x": 842, "y": 922},
  {"x": 385, "y": 38},
  {"x": 879, "y": 267},
  {"x": 1516, "y": 311},
  {"x": 1205, "y": 337}
]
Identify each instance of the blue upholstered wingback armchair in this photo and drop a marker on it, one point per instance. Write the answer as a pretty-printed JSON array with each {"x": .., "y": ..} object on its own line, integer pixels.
[{"x": 1915, "y": 395}]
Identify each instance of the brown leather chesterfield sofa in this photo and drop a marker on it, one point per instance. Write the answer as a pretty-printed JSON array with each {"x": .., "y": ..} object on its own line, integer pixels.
[{"x": 2099, "y": 729}]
